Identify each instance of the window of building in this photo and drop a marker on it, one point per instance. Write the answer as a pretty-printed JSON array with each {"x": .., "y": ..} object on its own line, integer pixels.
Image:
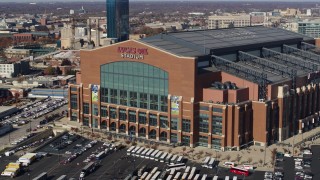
[
  {"x": 104, "y": 111},
  {"x": 153, "y": 120},
  {"x": 216, "y": 143},
  {"x": 73, "y": 89},
  {"x": 143, "y": 101},
  {"x": 217, "y": 110},
  {"x": 85, "y": 121},
  {"x": 203, "y": 141},
  {"x": 74, "y": 101},
  {"x": 186, "y": 140},
  {"x": 74, "y": 116},
  {"x": 133, "y": 99},
  {"x": 85, "y": 108},
  {"x": 174, "y": 123},
  {"x": 95, "y": 110},
  {"x": 217, "y": 125},
  {"x": 173, "y": 138},
  {"x": 164, "y": 103},
  {"x": 113, "y": 96},
  {"x": 204, "y": 123},
  {"x": 142, "y": 118},
  {"x": 132, "y": 116},
  {"x": 204, "y": 108},
  {"x": 95, "y": 122},
  {"x": 154, "y": 102},
  {"x": 104, "y": 95},
  {"x": 186, "y": 125},
  {"x": 113, "y": 113},
  {"x": 141, "y": 80},
  {"x": 123, "y": 98},
  {"x": 164, "y": 122},
  {"x": 122, "y": 114}
]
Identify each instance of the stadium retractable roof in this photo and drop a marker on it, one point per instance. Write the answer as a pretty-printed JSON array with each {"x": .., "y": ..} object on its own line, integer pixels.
[{"x": 205, "y": 42}]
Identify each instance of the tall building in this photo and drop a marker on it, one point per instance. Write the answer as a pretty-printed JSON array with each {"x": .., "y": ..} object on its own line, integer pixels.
[
  {"x": 242, "y": 86},
  {"x": 310, "y": 28},
  {"x": 118, "y": 19}
]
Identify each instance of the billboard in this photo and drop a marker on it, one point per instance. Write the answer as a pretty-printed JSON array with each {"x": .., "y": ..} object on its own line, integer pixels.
[
  {"x": 175, "y": 105},
  {"x": 94, "y": 93}
]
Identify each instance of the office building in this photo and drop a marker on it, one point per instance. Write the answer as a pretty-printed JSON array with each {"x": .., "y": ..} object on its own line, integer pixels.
[
  {"x": 310, "y": 28},
  {"x": 241, "y": 86},
  {"x": 118, "y": 19}
]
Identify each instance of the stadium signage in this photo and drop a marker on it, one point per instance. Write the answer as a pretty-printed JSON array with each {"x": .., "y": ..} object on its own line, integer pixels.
[{"x": 132, "y": 53}]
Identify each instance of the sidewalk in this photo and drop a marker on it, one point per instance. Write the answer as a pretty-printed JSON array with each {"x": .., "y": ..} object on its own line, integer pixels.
[{"x": 258, "y": 156}]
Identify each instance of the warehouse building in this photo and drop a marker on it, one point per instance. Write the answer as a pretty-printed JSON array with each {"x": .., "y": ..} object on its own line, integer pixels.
[{"x": 223, "y": 89}]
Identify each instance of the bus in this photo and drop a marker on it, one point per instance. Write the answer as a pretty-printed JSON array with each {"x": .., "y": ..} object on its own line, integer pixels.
[
  {"x": 129, "y": 150},
  {"x": 247, "y": 166},
  {"x": 187, "y": 169},
  {"x": 180, "y": 159},
  {"x": 211, "y": 163},
  {"x": 148, "y": 154},
  {"x": 141, "y": 170},
  {"x": 177, "y": 176},
  {"x": 176, "y": 166},
  {"x": 193, "y": 170},
  {"x": 143, "y": 154},
  {"x": 144, "y": 175},
  {"x": 239, "y": 171},
  {"x": 63, "y": 177},
  {"x": 133, "y": 152},
  {"x": 153, "y": 155},
  {"x": 205, "y": 162},
  {"x": 184, "y": 176},
  {"x": 168, "y": 158},
  {"x": 173, "y": 159},
  {"x": 172, "y": 171},
  {"x": 155, "y": 176},
  {"x": 163, "y": 157},
  {"x": 169, "y": 177},
  {"x": 163, "y": 175},
  {"x": 100, "y": 155},
  {"x": 196, "y": 177},
  {"x": 42, "y": 176},
  {"x": 139, "y": 152},
  {"x": 158, "y": 155},
  {"x": 204, "y": 177}
]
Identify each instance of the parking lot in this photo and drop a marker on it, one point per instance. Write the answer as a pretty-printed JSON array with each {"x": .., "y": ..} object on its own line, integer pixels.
[
  {"x": 116, "y": 165},
  {"x": 34, "y": 112}
]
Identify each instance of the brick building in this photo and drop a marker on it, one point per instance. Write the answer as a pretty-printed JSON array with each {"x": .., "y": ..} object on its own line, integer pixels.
[{"x": 223, "y": 89}]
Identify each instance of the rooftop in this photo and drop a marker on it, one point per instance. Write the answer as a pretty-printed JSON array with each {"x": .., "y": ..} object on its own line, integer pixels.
[{"x": 204, "y": 42}]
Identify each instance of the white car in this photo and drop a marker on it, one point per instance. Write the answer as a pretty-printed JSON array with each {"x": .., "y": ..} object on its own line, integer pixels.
[{"x": 287, "y": 155}]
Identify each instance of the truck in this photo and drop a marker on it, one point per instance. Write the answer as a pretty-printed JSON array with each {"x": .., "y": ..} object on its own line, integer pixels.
[
  {"x": 27, "y": 159},
  {"x": 89, "y": 168},
  {"x": 12, "y": 170}
]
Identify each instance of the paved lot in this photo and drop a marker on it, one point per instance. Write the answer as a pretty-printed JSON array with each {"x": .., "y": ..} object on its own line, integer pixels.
[{"x": 20, "y": 131}]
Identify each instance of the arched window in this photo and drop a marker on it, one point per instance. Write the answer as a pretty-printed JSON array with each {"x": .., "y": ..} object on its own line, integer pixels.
[
  {"x": 103, "y": 125},
  {"x": 113, "y": 126},
  {"x": 142, "y": 132},
  {"x": 132, "y": 130},
  {"x": 122, "y": 128},
  {"x": 152, "y": 134},
  {"x": 163, "y": 136}
]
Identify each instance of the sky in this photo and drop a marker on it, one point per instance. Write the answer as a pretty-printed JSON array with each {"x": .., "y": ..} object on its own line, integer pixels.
[{"x": 27, "y": 1}]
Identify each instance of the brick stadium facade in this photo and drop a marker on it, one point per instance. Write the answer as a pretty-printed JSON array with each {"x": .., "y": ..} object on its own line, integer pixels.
[{"x": 155, "y": 91}]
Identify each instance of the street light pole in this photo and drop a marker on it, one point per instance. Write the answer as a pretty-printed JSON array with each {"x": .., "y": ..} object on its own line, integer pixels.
[{"x": 265, "y": 147}]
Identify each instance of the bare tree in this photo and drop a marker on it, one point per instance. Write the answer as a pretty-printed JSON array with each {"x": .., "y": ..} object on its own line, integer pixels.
[
  {"x": 260, "y": 162},
  {"x": 238, "y": 158},
  {"x": 228, "y": 157},
  {"x": 249, "y": 160}
]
